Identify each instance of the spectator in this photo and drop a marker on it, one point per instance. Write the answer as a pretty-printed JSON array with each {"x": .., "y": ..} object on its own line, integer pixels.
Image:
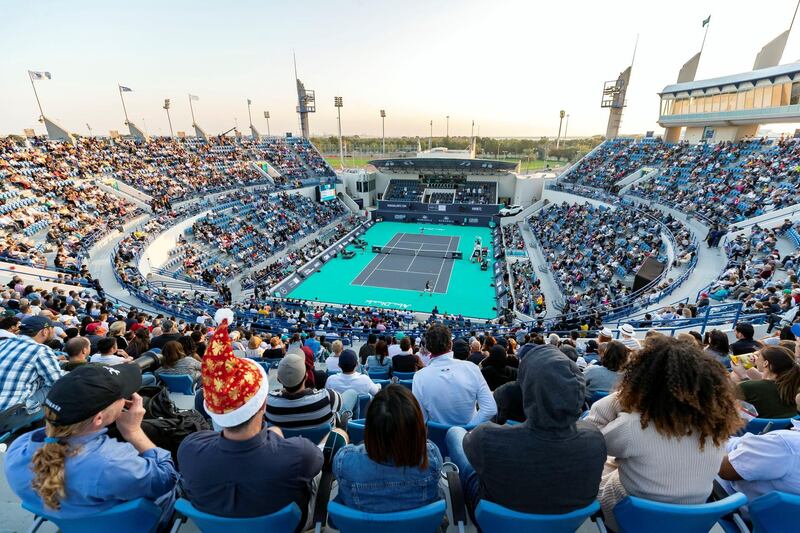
[
  {"x": 666, "y": 425},
  {"x": 475, "y": 354},
  {"x": 78, "y": 350},
  {"x": 312, "y": 342},
  {"x": 744, "y": 332},
  {"x": 495, "y": 368},
  {"x": 28, "y": 368},
  {"x": 177, "y": 362},
  {"x": 72, "y": 467},
  {"x": 332, "y": 362},
  {"x": 276, "y": 349},
  {"x": 605, "y": 376},
  {"x": 367, "y": 349},
  {"x": 773, "y": 393},
  {"x": 460, "y": 350},
  {"x": 296, "y": 406},
  {"x": 9, "y": 327},
  {"x": 108, "y": 354},
  {"x": 462, "y": 380},
  {"x": 117, "y": 330},
  {"x": 552, "y": 463},
  {"x": 246, "y": 470},
  {"x": 396, "y": 468},
  {"x": 168, "y": 333},
  {"x": 94, "y": 332},
  {"x": 627, "y": 333},
  {"x": 406, "y": 360},
  {"x": 140, "y": 343},
  {"x": 349, "y": 379},
  {"x": 380, "y": 362},
  {"x": 759, "y": 464},
  {"x": 717, "y": 346},
  {"x": 254, "y": 347}
]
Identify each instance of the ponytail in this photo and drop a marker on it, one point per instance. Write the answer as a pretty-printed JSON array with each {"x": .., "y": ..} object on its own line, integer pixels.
[{"x": 48, "y": 461}]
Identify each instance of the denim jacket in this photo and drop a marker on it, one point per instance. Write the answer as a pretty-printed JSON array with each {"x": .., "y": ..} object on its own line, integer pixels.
[{"x": 372, "y": 487}]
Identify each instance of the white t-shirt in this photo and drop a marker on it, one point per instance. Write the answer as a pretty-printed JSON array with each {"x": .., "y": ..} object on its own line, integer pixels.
[
  {"x": 107, "y": 359},
  {"x": 766, "y": 462},
  {"x": 361, "y": 383},
  {"x": 394, "y": 349},
  {"x": 332, "y": 363}
]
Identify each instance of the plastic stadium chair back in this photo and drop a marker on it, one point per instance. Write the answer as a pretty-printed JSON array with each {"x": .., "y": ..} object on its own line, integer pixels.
[
  {"x": 758, "y": 425},
  {"x": 180, "y": 383},
  {"x": 636, "y": 514},
  {"x": 437, "y": 433},
  {"x": 355, "y": 430},
  {"x": 136, "y": 516},
  {"x": 597, "y": 395},
  {"x": 286, "y": 519},
  {"x": 496, "y": 518},
  {"x": 775, "y": 512},
  {"x": 378, "y": 374},
  {"x": 315, "y": 434},
  {"x": 425, "y": 519},
  {"x": 403, "y": 375},
  {"x": 407, "y": 383},
  {"x": 361, "y": 405},
  {"x": 16, "y": 418}
]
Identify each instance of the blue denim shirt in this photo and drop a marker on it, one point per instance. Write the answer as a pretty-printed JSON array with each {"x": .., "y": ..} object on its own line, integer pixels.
[{"x": 373, "y": 487}]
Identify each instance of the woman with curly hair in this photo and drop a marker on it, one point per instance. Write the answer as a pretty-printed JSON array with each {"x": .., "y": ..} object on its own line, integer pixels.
[{"x": 666, "y": 426}]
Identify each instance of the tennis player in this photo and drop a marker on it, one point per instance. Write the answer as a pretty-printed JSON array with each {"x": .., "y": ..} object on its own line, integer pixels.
[{"x": 428, "y": 288}]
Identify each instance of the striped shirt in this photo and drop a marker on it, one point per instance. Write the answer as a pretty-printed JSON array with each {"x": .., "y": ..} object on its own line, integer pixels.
[
  {"x": 25, "y": 367},
  {"x": 303, "y": 409}
]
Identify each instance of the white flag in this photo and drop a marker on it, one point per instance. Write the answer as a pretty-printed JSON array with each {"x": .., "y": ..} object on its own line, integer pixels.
[
  {"x": 194, "y": 98},
  {"x": 124, "y": 89},
  {"x": 39, "y": 75}
]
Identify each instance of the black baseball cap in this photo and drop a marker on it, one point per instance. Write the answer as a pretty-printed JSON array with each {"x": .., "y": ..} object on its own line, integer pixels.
[
  {"x": 34, "y": 324},
  {"x": 89, "y": 389}
]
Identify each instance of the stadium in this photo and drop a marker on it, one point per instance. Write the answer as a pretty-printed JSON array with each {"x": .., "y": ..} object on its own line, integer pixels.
[{"x": 236, "y": 331}]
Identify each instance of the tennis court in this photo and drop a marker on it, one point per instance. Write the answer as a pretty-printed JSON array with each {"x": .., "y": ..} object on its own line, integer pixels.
[
  {"x": 410, "y": 261},
  {"x": 462, "y": 286}
]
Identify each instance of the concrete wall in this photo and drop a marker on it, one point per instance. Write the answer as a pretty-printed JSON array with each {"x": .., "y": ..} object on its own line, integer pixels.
[{"x": 556, "y": 197}]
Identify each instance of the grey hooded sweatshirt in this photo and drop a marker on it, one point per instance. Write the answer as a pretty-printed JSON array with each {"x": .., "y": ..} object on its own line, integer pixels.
[{"x": 551, "y": 463}]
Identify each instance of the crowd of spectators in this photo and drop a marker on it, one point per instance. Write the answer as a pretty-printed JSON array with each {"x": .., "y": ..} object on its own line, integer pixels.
[
  {"x": 528, "y": 297},
  {"x": 512, "y": 236}
]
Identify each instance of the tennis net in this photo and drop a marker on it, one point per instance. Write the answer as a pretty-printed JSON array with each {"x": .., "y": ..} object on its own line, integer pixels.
[{"x": 395, "y": 250}]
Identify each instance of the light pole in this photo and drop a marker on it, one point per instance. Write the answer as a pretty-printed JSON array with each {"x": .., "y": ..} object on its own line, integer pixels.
[
  {"x": 337, "y": 102},
  {"x": 166, "y": 108},
  {"x": 447, "y": 128},
  {"x": 383, "y": 131},
  {"x": 561, "y": 115},
  {"x": 430, "y": 138},
  {"x": 266, "y": 116},
  {"x": 249, "y": 116},
  {"x": 566, "y": 127}
]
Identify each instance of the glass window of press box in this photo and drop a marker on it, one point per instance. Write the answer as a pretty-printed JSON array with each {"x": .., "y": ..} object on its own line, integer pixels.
[{"x": 777, "y": 95}]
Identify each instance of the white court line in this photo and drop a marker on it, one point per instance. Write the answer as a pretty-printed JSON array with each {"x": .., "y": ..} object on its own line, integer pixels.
[
  {"x": 406, "y": 271},
  {"x": 447, "y": 288},
  {"x": 441, "y": 266},
  {"x": 415, "y": 257},
  {"x": 364, "y": 282}
]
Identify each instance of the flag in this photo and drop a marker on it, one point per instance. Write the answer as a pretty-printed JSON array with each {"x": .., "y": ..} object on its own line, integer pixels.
[
  {"x": 39, "y": 75},
  {"x": 124, "y": 89},
  {"x": 194, "y": 98},
  {"x": 706, "y": 21},
  {"x": 249, "y": 101}
]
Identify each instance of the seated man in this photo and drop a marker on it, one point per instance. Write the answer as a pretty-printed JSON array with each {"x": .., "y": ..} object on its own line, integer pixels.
[
  {"x": 406, "y": 360},
  {"x": 349, "y": 379},
  {"x": 247, "y": 469},
  {"x": 463, "y": 382},
  {"x": 28, "y": 368},
  {"x": 72, "y": 467},
  {"x": 295, "y": 406},
  {"x": 551, "y": 463},
  {"x": 108, "y": 354},
  {"x": 758, "y": 464},
  {"x": 78, "y": 350}
]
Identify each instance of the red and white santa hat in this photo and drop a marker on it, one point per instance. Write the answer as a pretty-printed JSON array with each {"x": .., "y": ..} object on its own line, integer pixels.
[{"x": 234, "y": 388}]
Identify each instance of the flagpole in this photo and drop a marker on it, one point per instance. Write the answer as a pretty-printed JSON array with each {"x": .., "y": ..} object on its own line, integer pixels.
[
  {"x": 794, "y": 16},
  {"x": 703, "y": 45},
  {"x": 119, "y": 87},
  {"x": 41, "y": 113},
  {"x": 191, "y": 108}
]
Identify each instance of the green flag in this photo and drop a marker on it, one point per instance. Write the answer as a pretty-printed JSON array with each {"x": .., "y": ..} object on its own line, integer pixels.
[{"x": 707, "y": 21}]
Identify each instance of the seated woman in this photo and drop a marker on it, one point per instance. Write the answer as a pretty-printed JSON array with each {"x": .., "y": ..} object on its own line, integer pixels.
[
  {"x": 396, "y": 468},
  {"x": 495, "y": 368},
  {"x": 605, "y": 376},
  {"x": 717, "y": 345},
  {"x": 332, "y": 362},
  {"x": 177, "y": 362},
  {"x": 380, "y": 362},
  {"x": 255, "y": 347},
  {"x": 773, "y": 385},
  {"x": 666, "y": 426}
]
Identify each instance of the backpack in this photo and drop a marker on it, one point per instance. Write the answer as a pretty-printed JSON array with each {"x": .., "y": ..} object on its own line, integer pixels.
[{"x": 163, "y": 423}]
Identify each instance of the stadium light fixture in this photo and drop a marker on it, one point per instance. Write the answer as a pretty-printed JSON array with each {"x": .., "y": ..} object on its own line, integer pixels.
[
  {"x": 383, "y": 131},
  {"x": 561, "y": 115},
  {"x": 337, "y": 102},
  {"x": 266, "y": 116},
  {"x": 169, "y": 120}
]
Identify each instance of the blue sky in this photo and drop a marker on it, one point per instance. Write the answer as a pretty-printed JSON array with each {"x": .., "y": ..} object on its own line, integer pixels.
[{"x": 509, "y": 65}]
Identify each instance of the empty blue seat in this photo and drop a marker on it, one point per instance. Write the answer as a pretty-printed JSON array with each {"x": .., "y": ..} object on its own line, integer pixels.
[
  {"x": 775, "y": 512},
  {"x": 16, "y": 418},
  {"x": 758, "y": 425},
  {"x": 136, "y": 516},
  {"x": 637, "y": 514},
  {"x": 425, "y": 519},
  {"x": 315, "y": 434},
  {"x": 180, "y": 383},
  {"x": 286, "y": 519},
  {"x": 361, "y": 405},
  {"x": 492, "y": 518},
  {"x": 403, "y": 375},
  {"x": 378, "y": 374}
]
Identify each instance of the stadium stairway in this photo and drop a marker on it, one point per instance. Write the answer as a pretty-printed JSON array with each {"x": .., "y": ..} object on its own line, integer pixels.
[{"x": 552, "y": 293}]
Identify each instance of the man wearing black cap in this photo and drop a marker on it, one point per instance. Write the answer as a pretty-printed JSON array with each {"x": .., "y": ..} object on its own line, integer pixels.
[
  {"x": 72, "y": 465},
  {"x": 28, "y": 368}
]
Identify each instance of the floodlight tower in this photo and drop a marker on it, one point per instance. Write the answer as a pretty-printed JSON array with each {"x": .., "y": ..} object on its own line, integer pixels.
[
  {"x": 383, "y": 131},
  {"x": 614, "y": 97},
  {"x": 306, "y": 103},
  {"x": 561, "y": 115},
  {"x": 266, "y": 116},
  {"x": 337, "y": 102},
  {"x": 166, "y": 108}
]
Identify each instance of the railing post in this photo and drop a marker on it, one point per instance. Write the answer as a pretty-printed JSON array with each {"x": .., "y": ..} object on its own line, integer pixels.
[
  {"x": 738, "y": 313},
  {"x": 705, "y": 320}
]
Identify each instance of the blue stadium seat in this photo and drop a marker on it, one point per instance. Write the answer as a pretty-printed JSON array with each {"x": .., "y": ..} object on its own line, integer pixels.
[
  {"x": 425, "y": 519},
  {"x": 361, "y": 405},
  {"x": 180, "y": 383},
  {"x": 403, "y": 375},
  {"x": 438, "y": 432},
  {"x": 136, "y": 516},
  {"x": 775, "y": 512},
  {"x": 355, "y": 430},
  {"x": 492, "y": 518},
  {"x": 637, "y": 514},
  {"x": 597, "y": 395},
  {"x": 287, "y": 519},
  {"x": 407, "y": 383},
  {"x": 757, "y": 425},
  {"x": 378, "y": 374},
  {"x": 16, "y": 418},
  {"x": 315, "y": 433}
]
